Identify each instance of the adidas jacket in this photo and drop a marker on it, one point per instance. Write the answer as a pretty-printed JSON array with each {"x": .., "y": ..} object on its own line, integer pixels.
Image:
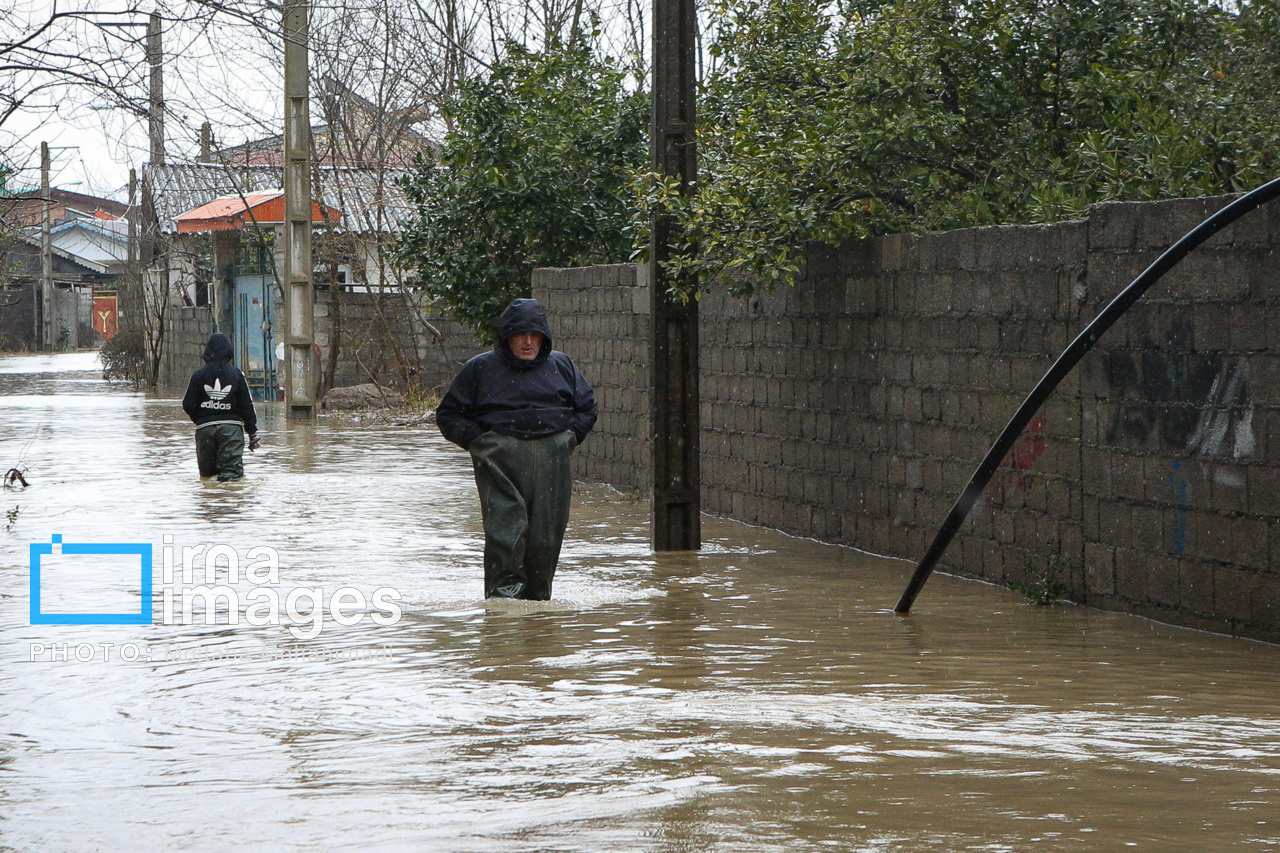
[{"x": 218, "y": 393}]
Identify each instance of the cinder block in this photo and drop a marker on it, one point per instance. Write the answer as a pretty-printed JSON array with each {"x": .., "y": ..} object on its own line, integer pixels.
[
  {"x": 1233, "y": 591},
  {"x": 1195, "y": 586},
  {"x": 1209, "y": 536},
  {"x": 1113, "y": 523},
  {"x": 1112, "y": 226},
  {"x": 1263, "y": 271},
  {"x": 1163, "y": 581},
  {"x": 1131, "y": 575},
  {"x": 1265, "y": 604},
  {"x": 1249, "y": 544},
  {"x": 890, "y": 252}
]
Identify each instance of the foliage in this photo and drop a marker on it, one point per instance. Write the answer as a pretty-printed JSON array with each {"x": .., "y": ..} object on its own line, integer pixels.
[
  {"x": 824, "y": 122},
  {"x": 11, "y": 516},
  {"x": 536, "y": 173},
  {"x": 124, "y": 357},
  {"x": 1044, "y": 586}
]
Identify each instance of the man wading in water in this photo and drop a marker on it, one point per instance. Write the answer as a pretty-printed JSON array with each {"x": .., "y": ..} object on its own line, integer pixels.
[
  {"x": 520, "y": 410},
  {"x": 218, "y": 402}
]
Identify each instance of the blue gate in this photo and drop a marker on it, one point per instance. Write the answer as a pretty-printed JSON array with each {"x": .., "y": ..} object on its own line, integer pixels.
[{"x": 255, "y": 348}]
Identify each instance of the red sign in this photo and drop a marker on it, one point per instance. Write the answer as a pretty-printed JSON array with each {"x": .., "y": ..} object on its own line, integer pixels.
[{"x": 106, "y": 317}]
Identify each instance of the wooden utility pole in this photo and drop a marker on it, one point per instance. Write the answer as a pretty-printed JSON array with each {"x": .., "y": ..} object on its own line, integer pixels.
[
  {"x": 45, "y": 338},
  {"x": 129, "y": 304},
  {"x": 299, "y": 297},
  {"x": 155, "y": 98},
  {"x": 676, "y": 525}
]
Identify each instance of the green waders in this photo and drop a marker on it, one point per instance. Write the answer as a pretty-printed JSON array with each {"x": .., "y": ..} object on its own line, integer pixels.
[
  {"x": 525, "y": 486},
  {"x": 220, "y": 451}
]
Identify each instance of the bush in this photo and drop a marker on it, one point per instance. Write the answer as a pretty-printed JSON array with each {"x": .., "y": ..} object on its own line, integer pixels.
[
  {"x": 1043, "y": 586},
  {"x": 124, "y": 357}
]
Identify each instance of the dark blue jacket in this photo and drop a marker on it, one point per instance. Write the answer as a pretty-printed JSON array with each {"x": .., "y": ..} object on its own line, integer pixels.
[
  {"x": 218, "y": 392},
  {"x": 527, "y": 399}
]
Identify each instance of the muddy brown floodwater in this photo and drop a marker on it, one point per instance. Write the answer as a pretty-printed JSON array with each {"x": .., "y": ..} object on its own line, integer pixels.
[{"x": 757, "y": 696}]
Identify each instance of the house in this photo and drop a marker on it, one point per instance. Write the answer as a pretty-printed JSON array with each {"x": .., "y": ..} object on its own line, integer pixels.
[
  {"x": 89, "y": 255},
  {"x": 357, "y": 135},
  {"x": 212, "y": 247},
  {"x": 242, "y": 301},
  {"x": 211, "y": 258},
  {"x": 75, "y": 280},
  {"x": 99, "y": 239},
  {"x": 24, "y": 208}
]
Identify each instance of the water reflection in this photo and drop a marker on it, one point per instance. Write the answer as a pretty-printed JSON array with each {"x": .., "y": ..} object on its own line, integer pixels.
[{"x": 756, "y": 696}]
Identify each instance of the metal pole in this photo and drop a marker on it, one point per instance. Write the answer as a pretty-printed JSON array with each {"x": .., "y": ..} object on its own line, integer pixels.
[
  {"x": 299, "y": 297},
  {"x": 1056, "y": 373},
  {"x": 676, "y": 525},
  {"x": 155, "y": 99},
  {"x": 45, "y": 339}
]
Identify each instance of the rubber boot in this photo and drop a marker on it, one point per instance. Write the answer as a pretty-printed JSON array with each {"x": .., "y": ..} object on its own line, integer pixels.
[
  {"x": 525, "y": 487},
  {"x": 220, "y": 451}
]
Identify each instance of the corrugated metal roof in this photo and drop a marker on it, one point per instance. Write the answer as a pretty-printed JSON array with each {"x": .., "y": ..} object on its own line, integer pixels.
[
  {"x": 369, "y": 200},
  {"x": 87, "y": 263}
]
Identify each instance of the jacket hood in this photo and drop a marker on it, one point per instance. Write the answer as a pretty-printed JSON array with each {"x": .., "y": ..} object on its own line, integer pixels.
[
  {"x": 523, "y": 315},
  {"x": 219, "y": 348}
]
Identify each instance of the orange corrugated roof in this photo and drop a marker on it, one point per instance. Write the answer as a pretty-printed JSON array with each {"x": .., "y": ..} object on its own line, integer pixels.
[{"x": 231, "y": 213}]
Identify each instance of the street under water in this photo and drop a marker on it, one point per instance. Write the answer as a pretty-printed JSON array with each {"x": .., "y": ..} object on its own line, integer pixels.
[{"x": 756, "y": 696}]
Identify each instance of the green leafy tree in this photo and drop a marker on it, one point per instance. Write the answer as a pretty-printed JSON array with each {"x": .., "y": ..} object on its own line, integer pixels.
[
  {"x": 824, "y": 122},
  {"x": 536, "y": 173}
]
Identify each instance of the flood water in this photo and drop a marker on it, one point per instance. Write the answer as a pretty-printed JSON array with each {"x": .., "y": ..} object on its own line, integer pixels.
[{"x": 757, "y": 696}]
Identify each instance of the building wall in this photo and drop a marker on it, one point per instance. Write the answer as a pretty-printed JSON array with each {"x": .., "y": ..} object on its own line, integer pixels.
[
  {"x": 187, "y": 331},
  {"x": 600, "y": 317},
  {"x": 70, "y": 314},
  {"x": 17, "y": 320},
  {"x": 855, "y": 406}
]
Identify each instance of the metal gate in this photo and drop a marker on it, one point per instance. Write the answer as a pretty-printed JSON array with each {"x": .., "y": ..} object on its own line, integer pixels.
[{"x": 255, "y": 349}]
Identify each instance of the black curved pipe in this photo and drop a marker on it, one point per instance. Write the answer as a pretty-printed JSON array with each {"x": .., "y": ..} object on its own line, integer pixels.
[{"x": 1069, "y": 358}]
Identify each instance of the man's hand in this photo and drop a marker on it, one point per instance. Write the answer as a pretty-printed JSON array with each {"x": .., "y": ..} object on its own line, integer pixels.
[{"x": 254, "y": 441}]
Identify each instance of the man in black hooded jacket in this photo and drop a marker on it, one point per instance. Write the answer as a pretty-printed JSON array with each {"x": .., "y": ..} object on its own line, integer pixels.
[
  {"x": 520, "y": 410},
  {"x": 218, "y": 401}
]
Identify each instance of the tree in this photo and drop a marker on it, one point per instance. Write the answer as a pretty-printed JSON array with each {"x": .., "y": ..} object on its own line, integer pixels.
[
  {"x": 875, "y": 116},
  {"x": 536, "y": 173},
  {"x": 44, "y": 52}
]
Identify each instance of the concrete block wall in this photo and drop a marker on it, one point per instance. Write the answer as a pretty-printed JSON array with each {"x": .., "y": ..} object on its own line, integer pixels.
[
  {"x": 71, "y": 318},
  {"x": 855, "y": 406},
  {"x": 187, "y": 331},
  {"x": 381, "y": 330},
  {"x": 17, "y": 316},
  {"x": 600, "y": 317},
  {"x": 1180, "y": 443}
]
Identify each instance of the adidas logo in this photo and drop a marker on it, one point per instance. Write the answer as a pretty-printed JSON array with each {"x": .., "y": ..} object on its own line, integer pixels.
[{"x": 217, "y": 391}]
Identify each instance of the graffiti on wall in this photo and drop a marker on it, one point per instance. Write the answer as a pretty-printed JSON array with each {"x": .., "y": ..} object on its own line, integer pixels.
[
  {"x": 1225, "y": 426},
  {"x": 1014, "y": 474},
  {"x": 1181, "y": 400}
]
